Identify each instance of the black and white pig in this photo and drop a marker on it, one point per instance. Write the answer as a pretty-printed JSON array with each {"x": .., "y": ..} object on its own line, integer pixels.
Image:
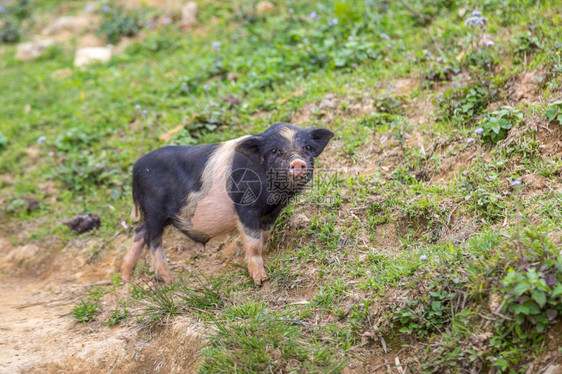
[{"x": 207, "y": 190}]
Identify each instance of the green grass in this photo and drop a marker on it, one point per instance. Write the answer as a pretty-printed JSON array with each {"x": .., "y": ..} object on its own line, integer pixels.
[{"x": 422, "y": 229}]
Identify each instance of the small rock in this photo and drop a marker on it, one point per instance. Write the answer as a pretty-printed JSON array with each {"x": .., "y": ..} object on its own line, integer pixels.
[
  {"x": 552, "y": 369},
  {"x": 32, "y": 203},
  {"x": 69, "y": 25},
  {"x": 32, "y": 50},
  {"x": 189, "y": 14},
  {"x": 301, "y": 220},
  {"x": 264, "y": 7},
  {"x": 84, "y": 223},
  {"x": 86, "y": 56}
]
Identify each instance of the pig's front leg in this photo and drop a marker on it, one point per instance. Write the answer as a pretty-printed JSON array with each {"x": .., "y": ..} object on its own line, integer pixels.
[{"x": 253, "y": 241}]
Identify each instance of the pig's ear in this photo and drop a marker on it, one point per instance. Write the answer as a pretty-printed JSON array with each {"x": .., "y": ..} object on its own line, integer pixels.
[
  {"x": 252, "y": 148},
  {"x": 320, "y": 138}
]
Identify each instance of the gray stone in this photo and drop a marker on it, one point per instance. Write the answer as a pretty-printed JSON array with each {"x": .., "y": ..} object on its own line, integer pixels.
[{"x": 32, "y": 50}]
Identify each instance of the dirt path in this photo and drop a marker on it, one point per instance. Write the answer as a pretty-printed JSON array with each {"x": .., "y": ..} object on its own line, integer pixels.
[{"x": 38, "y": 333}]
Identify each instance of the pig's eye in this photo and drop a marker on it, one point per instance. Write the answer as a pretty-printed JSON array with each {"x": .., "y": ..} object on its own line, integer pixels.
[
  {"x": 308, "y": 148},
  {"x": 274, "y": 151}
]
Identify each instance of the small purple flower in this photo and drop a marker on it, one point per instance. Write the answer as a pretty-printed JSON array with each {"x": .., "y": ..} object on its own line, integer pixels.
[
  {"x": 216, "y": 46},
  {"x": 166, "y": 21},
  {"x": 206, "y": 87},
  {"x": 384, "y": 36},
  {"x": 144, "y": 111},
  {"x": 291, "y": 10},
  {"x": 88, "y": 9},
  {"x": 184, "y": 85},
  {"x": 476, "y": 13},
  {"x": 476, "y": 21},
  {"x": 106, "y": 8},
  {"x": 313, "y": 15},
  {"x": 489, "y": 43},
  {"x": 388, "y": 45},
  {"x": 423, "y": 257},
  {"x": 470, "y": 140},
  {"x": 137, "y": 107},
  {"x": 51, "y": 153},
  {"x": 516, "y": 182},
  {"x": 363, "y": 38},
  {"x": 335, "y": 21},
  {"x": 2, "y": 9},
  {"x": 479, "y": 130},
  {"x": 456, "y": 280},
  {"x": 41, "y": 139}
]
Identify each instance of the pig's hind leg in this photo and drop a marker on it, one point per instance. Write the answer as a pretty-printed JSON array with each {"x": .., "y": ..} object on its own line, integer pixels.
[
  {"x": 155, "y": 230},
  {"x": 132, "y": 257}
]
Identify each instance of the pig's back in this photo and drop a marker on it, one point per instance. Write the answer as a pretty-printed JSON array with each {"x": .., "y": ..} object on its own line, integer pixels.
[{"x": 164, "y": 177}]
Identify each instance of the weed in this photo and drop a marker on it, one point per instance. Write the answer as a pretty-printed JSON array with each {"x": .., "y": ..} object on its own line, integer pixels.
[
  {"x": 205, "y": 294},
  {"x": 534, "y": 288},
  {"x": 462, "y": 103},
  {"x": 10, "y": 30},
  {"x": 117, "y": 316},
  {"x": 495, "y": 125},
  {"x": 262, "y": 341},
  {"x": 159, "y": 303},
  {"x": 84, "y": 311},
  {"x": 443, "y": 299},
  {"x": 117, "y": 23},
  {"x": 553, "y": 112},
  {"x": 524, "y": 44},
  {"x": 3, "y": 142}
]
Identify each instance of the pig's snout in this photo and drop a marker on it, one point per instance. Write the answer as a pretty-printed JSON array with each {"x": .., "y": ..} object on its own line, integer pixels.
[{"x": 297, "y": 168}]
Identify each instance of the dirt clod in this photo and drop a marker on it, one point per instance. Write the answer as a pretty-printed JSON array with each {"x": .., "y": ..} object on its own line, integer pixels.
[{"x": 83, "y": 223}]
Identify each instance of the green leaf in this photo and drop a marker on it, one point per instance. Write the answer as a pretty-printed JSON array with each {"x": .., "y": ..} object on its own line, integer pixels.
[
  {"x": 557, "y": 291},
  {"x": 539, "y": 297},
  {"x": 533, "y": 308},
  {"x": 551, "y": 113},
  {"x": 501, "y": 362},
  {"x": 521, "y": 288}
]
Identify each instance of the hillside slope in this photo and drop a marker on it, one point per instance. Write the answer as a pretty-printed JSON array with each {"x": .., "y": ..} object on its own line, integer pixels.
[{"x": 430, "y": 240}]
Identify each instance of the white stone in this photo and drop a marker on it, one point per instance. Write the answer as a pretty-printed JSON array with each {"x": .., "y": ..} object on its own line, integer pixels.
[
  {"x": 189, "y": 14},
  {"x": 86, "y": 56},
  {"x": 32, "y": 50},
  {"x": 72, "y": 25},
  {"x": 553, "y": 369}
]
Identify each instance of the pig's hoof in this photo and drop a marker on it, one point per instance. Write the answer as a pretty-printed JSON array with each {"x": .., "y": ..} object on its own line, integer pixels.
[
  {"x": 259, "y": 276},
  {"x": 126, "y": 276},
  {"x": 164, "y": 277}
]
